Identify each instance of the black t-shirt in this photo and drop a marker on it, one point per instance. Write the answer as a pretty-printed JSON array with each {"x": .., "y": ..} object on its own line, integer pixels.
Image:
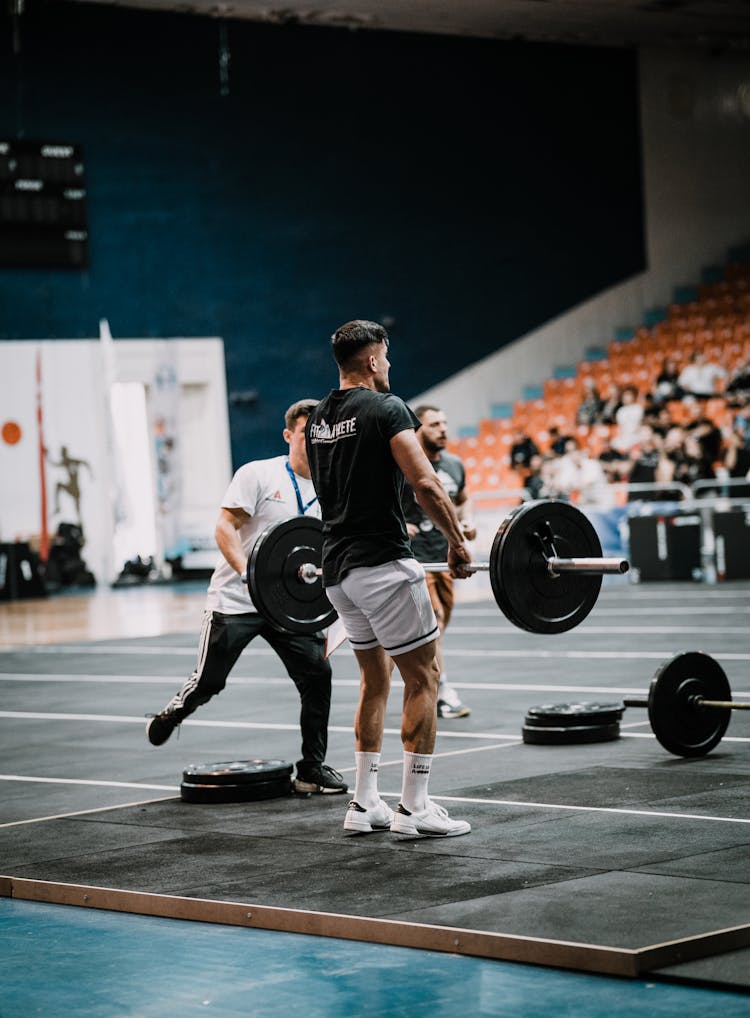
[
  {"x": 429, "y": 545},
  {"x": 357, "y": 480}
]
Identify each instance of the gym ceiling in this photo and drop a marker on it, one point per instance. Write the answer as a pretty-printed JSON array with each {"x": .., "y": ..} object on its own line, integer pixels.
[{"x": 717, "y": 25}]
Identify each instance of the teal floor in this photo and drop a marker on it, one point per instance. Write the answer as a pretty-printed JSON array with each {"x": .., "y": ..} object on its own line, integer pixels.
[{"x": 61, "y": 960}]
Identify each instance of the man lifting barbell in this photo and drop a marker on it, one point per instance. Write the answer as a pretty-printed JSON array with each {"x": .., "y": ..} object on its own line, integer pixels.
[
  {"x": 361, "y": 443},
  {"x": 261, "y": 493}
]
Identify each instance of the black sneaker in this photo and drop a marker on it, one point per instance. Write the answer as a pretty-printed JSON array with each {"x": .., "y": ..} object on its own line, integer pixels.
[
  {"x": 319, "y": 778},
  {"x": 160, "y": 727}
]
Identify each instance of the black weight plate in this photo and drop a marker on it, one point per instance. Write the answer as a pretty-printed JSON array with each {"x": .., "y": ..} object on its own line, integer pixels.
[
  {"x": 236, "y": 772},
  {"x": 273, "y": 579},
  {"x": 524, "y": 589},
  {"x": 681, "y": 728},
  {"x": 569, "y": 736},
  {"x": 567, "y": 715},
  {"x": 255, "y": 792}
]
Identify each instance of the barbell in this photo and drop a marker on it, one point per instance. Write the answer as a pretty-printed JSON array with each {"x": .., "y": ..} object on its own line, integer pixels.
[
  {"x": 545, "y": 570},
  {"x": 689, "y": 704}
]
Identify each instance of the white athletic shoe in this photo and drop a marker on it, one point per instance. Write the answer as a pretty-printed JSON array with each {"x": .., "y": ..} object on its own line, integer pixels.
[
  {"x": 431, "y": 822},
  {"x": 359, "y": 820}
]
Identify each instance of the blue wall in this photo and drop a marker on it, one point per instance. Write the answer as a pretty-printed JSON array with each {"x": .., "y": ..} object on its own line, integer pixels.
[{"x": 468, "y": 189}]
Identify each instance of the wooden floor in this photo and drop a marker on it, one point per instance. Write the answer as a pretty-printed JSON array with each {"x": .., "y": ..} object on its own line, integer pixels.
[{"x": 103, "y": 614}]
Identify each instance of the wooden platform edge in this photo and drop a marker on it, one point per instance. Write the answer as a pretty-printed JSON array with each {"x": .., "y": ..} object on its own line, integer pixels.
[
  {"x": 593, "y": 958},
  {"x": 704, "y": 945}
]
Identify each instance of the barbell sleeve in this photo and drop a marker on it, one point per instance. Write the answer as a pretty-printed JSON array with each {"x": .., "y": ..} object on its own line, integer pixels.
[{"x": 699, "y": 701}]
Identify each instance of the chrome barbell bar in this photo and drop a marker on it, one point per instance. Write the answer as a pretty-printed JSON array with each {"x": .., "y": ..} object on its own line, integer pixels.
[{"x": 308, "y": 572}]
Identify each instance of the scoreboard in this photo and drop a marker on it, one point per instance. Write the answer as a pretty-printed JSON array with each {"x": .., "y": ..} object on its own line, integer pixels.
[{"x": 42, "y": 205}]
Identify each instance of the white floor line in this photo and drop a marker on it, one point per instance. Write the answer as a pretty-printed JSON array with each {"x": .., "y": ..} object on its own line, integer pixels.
[
  {"x": 623, "y": 610},
  {"x": 276, "y": 727},
  {"x": 649, "y": 735},
  {"x": 702, "y": 609},
  {"x": 82, "y": 781},
  {"x": 659, "y": 814},
  {"x": 438, "y": 798},
  {"x": 587, "y": 655},
  {"x": 701, "y": 594},
  {"x": 452, "y": 752},
  {"x": 84, "y": 812},
  {"x": 264, "y": 680},
  {"x": 588, "y": 629},
  {"x": 592, "y": 809},
  {"x": 155, "y": 680},
  {"x": 529, "y": 652},
  {"x": 252, "y": 725},
  {"x": 135, "y": 648}
]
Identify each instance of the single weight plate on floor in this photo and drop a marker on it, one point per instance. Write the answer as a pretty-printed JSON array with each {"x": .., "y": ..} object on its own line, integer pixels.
[
  {"x": 525, "y": 591},
  {"x": 236, "y": 772},
  {"x": 569, "y": 736},
  {"x": 568, "y": 715},
  {"x": 255, "y": 792},
  {"x": 682, "y": 727},
  {"x": 273, "y": 579}
]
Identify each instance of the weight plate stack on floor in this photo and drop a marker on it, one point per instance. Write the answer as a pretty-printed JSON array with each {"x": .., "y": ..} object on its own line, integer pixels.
[
  {"x": 568, "y": 724},
  {"x": 236, "y": 781}
]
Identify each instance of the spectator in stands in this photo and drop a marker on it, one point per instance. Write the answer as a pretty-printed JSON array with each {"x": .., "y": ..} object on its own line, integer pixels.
[
  {"x": 616, "y": 464},
  {"x": 738, "y": 386},
  {"x": 611, "y": 404},
  {"x": 557, "y": 442},
  {"x": 578, "y": 473},
  {"x": 521, "y": 451},
  {"x": 737, "y": 460},
  {"x": 699, "y": 466},
  {"x": 648, "y": 465},
  {"x": 699, "y": 377},
  {"x": 591, "y": 404},
  {"x": 742, "y": 420},
  {"x": 628, "y": 420},
  {"x": 652, "y": 409},
  {"x": 706, "y": 433},
  {"x": 542, "y": 479},
  {"x": 658, "y": 417},
  {"x": 674, "y": 450},
  {"x": 668, "y": 381},
  {"x": 534, "y": 482},
  {"x": 686, "y": 456}
]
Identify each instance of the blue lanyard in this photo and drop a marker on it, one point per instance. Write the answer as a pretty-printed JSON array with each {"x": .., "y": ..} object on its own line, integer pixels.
[{"x": 300, "y": 504}]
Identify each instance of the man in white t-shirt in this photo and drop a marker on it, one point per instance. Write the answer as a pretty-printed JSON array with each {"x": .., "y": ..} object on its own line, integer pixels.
[
  {"x": 261, "y": 493},
  {"x": 699, "y": 377}
]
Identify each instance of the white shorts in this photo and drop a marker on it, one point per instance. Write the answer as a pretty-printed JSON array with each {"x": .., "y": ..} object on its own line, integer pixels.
[{"x": 386, "y": 606}]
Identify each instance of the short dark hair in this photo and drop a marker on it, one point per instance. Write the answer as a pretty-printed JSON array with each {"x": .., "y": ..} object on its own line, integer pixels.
[
  {"x": 425, "y": 408},
  {"x": 349, "y": 340},
  {"x": 302, "y": 408}
]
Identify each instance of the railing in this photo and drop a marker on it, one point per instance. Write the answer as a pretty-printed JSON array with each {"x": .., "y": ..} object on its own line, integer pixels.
[
  {"x": 660, "y": 488},
  {"x": 721, "y": 486}
]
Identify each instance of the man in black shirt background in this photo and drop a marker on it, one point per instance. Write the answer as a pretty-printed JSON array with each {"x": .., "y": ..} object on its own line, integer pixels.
[
  {"x": 429, "y": 545},
  {"x": 361, "y": 444}
]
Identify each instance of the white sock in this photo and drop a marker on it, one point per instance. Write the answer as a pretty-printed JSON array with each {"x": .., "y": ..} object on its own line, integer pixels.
[
  {"x": 366, "y": 788},
  {"x": 416, "y": 777}
]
